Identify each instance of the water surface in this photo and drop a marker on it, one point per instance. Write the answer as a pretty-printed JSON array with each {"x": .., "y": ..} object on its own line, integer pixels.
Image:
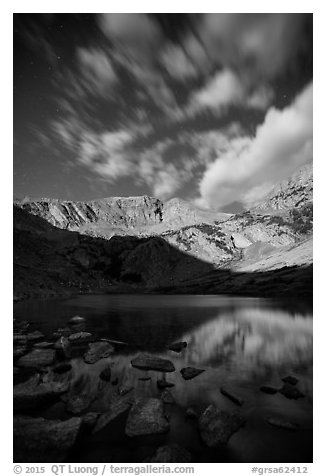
[{"x": 242, "y": 343}]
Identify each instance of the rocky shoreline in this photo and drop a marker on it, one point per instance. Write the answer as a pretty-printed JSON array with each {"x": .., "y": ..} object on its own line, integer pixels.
[{"x": 43, "y": 379}]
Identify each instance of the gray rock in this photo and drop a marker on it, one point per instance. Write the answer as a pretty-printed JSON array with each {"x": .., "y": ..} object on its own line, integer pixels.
[
  {"x": 289, "y": 391},
  {"x": 116, "y": 408},
  {"x": 231, "y": 395},
  {"x": 37, "y": 440},
  {"x": 190, "y": 372},
  {"x": 167, "y": 397},
  {"x": 62, "y": 332},
  {"x": 80, "y": 338},
  {"x": 97, "y": 351},
  {"x": 35, "y": 336},
  {"x": 19, "y": 351},
  {"x": 269, "y": 390},
  {"x": 37, "y": 358},
  {"x": 146, "y": 417},
  {"x": 77, "y": 404},
  {"x": 217, "y": 426},
  {"x": 290, "y": 379},
  {"x": 285, "y": 425},
  {"x": 106, "y": 374},
  {"x": 164, "y": 384},
  {"x": 171, "y": 454},
  {"x": 151, "y": 362},
  {"x": 77, "y": 323},
  {"x": 178, "y": 346},
  {"x": 33, "y": 393}
]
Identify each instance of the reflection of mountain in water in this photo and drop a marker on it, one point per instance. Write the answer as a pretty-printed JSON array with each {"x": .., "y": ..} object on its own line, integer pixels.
[{"x": 252, "y": 338}]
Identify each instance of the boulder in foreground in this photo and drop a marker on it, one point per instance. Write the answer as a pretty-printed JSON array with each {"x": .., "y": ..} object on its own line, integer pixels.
[
  {"x": 217, "y": 426},
  {"x": 151, "y": 362},
  {"x": 37, "y": 440},
  {"x": 146, "y": 417}
]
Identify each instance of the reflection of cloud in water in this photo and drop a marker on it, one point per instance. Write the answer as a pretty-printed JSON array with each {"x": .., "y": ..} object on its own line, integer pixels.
[{"x": 252, "y": 337}]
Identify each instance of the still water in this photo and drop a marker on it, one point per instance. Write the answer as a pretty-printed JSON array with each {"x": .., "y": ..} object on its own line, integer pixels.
[{"x": 242, "y": 343}]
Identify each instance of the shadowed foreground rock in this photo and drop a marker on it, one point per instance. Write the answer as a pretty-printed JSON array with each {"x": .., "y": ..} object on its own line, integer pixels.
[
  {"x": 146, "y": 417},
  {"x": 190, "y": 372},
  {"x": 217, "y": 426},
  {"x": 171, "y": 454},
  {"x": 32, "y": 394},
  {"x": 97, "y": 351},
  {"x": 37, "y": 358},
  {"x": 151, "y": 362},
  {"x": 43, "y": 441}
]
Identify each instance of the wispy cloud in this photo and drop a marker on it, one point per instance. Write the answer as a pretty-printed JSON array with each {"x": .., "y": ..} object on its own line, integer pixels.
[
  {"x": 97, "y": 75},
  {"x": 251, "y": 166}
]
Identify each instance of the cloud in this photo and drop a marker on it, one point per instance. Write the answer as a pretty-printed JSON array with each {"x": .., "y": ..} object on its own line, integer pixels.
[
  {"x": 251, "y": 166},
  {"x": 177, "y": 63},
  {"x": 226, "y": 89},
  {"x": 97, "y": 73}
]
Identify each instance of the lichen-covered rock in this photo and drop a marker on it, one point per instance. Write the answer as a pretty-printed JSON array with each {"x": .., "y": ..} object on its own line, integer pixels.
[
  {"x": 32, "y": 394},
  {"x": 171, "y": 454},
  {"x": 37, "y": 440},
  {"x": 37, "y": 358},
  {"x": 217, "y": 426},
  {"x": 146, "y": 417},
  {"x": 190, "y": 372},
  {"x": 97, "y": 351},
  {"x": 152, "y": 362}
]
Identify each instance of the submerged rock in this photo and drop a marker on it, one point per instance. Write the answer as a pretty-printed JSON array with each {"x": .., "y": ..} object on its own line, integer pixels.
[
  {"x": 171, "y": 454},
  {"x": 269, "y": 390},
  {"x": 164, "y": 384},
  {"x": 37, "y": 440},
  {"x": 115, "y": 381},
  {"x": 178, "y": 346},
  {"x": 151, "y": 362},
  {"x": 167, "y": 397},
  {"x": 106, "y": 374},
  {"x": 190, "y": 372},
  {"x": 90, "y": 419},
  {"x": 147, "y": 417},
  {"x": 231, "y": 395},
  {"x": 116, "y": 408},
  {"x": 290, "y": 379},
  {"x": 285, "y": 425},
  {"x": 97, "y": 351},
  {"x": 37, "y": 358},
  {"x": 80, "y": 338},
  {"x": 289, "y": 391},
  {"x": 32, "y": 394},
  {"x": 144, "y": 379},
  {"x": 217, "y": 426}
]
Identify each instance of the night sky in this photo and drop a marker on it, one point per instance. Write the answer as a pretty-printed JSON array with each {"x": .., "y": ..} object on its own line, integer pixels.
[{"x": 213, "y": 108}]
